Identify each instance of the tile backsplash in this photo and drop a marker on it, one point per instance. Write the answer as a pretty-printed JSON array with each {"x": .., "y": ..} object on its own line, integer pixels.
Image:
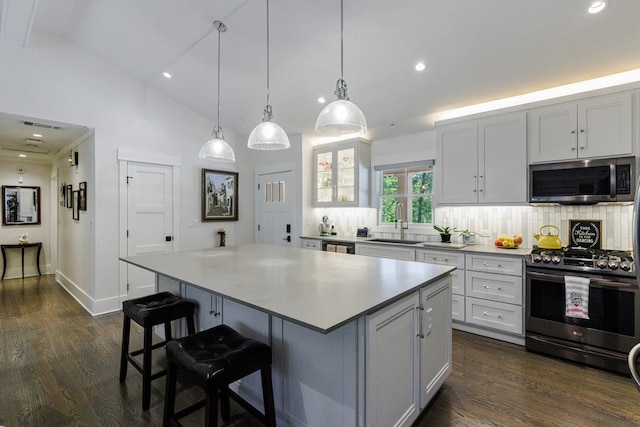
[{"x": 491, "y": 221}]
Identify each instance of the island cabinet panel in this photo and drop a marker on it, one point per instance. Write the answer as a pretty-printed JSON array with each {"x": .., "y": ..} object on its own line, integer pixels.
[
  {"x": 316, "y": 375},
  {"x": 393, "y": 364},
  {"x": 435, "y": 339},
  {"x": 208, "y": 307}
]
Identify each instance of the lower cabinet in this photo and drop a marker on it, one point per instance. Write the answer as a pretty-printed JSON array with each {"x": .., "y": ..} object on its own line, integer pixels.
[
  {"x": 408, "y": 355},
  {"x": 312, "y": 244},
  {"x": 457, "y": 277},
  {"x": 493, "y": 288},
  {"x": 386, "y": 251}
]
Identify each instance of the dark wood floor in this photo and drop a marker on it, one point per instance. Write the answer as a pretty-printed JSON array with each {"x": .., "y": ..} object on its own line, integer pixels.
[{"x": 59, "y": 367}]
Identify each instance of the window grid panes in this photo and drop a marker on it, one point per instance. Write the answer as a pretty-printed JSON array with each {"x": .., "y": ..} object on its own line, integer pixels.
[{"x": 413, "y": 188}]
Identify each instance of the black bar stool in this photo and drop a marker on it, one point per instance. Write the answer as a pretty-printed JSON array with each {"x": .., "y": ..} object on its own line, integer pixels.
[
  {"x": 213, "y": 359},
  {"x": 147, "y": 312}
]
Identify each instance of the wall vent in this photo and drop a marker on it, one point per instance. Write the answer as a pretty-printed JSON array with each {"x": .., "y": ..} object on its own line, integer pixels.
[{"x": 42, "y": 125}]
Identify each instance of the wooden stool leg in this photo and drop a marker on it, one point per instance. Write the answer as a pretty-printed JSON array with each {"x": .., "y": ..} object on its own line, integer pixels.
[
  {"x": 170, "y": 395},
  {"x": 267, "y": 396},
  {"x": 146, "y": 368},
  {"x": 211, "y": 409},
  {"x": 126, "y": 328}
]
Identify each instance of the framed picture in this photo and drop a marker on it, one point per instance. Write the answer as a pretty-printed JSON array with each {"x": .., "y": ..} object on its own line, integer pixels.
[
  {"x": 585, "y": 233},
  {"x": 219, "y": 195},
  {"x": 63, "y": 191},
  {"x": 83, "y": 195},
  {"x": 68, "y": 196},
  {"x": 76, "y": 205}
]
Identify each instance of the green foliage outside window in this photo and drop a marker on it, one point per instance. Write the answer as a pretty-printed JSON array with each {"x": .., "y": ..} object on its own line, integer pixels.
[{"x": 417, "y": 194}]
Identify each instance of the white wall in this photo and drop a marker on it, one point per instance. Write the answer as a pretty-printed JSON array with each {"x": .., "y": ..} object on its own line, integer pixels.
[
  {"x": 52, "y": 80},
  {"x": 35, "y": 175}
]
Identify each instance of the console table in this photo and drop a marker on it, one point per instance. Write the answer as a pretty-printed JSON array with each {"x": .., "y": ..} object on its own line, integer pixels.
[{"x": 20, "y": 246}]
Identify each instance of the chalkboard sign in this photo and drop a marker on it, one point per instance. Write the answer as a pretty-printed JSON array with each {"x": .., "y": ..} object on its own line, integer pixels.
[{"x": 586, "y": 233}]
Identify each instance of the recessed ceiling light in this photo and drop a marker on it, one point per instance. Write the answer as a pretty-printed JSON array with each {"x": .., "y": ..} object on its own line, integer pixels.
[
  {"x": 321, "y": 100},
  {"x": 37, "y": 135},
  {"x": 420, "y": 66},
  {"x": 22, "y": 155},
  {"x": 596, "y": 6},
  {"x": 167, "y": 75}
]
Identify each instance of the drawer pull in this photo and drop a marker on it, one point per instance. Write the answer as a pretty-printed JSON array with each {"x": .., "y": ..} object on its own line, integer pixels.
[{"x": 497, "y": 288}]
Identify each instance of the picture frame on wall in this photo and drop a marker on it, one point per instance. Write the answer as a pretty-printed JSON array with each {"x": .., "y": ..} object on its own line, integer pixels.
[
  {"x": 68, "y": 196},
  {"x": 76, "y": 205},
  {"x": 63, "y": 192},
  {"x": 219, "y": 195},
  {"x": 83, "y": 195}
]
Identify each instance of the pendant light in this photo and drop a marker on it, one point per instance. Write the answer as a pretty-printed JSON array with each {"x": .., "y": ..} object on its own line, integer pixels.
[
  {"x": 268, "y": 135},
  {"x": 217, "y": 148},
  {"x": 342, "y": 117}
]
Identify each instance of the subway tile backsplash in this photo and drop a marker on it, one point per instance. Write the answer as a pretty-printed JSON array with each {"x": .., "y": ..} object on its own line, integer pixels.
[
  {"x": 527, "y": 220},
  {"x": 491, "y": 221}
]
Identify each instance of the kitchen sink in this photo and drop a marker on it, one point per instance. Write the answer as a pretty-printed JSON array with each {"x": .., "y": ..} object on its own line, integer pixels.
[{"x": 406, "y": 242}]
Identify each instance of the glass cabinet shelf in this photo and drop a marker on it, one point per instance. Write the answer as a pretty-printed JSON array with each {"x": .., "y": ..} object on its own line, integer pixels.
[{"x": 341, "y": 174}]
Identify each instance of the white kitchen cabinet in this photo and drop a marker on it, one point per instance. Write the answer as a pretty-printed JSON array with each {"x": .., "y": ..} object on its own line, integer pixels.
[
  {"x": 408, "y": 355},
  {"x": 341, "y": 174},
  {"x": 386, "y": 251},
  {"x": 435, "y": 342},
  {"x": 483, "y": 161},
  {"x": 208, "y": 307},
  {"x": 312, "y": 244},
  {"x": 493, "y": 292},
  {"x": 600, "y": 126},
  {"x": 457, "y": 276}
]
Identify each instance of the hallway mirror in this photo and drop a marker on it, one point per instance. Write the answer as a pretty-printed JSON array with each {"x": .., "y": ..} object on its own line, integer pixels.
[{"x": 21, "y": 205}]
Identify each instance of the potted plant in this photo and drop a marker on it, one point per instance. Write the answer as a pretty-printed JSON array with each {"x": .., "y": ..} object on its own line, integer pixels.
[
  {"x": 445, "y": 233},
  {"x": 468, "y": 236}
]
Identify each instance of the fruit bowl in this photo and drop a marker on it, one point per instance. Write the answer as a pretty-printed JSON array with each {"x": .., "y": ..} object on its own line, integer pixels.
[{"x": 504, "y": 242}]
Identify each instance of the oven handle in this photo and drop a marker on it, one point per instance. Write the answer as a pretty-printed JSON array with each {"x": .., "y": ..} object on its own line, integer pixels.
[{"x": 593, "y": 282}]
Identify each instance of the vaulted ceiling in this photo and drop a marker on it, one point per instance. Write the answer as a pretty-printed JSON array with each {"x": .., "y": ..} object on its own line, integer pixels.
[{"x": 474, "y": 50}]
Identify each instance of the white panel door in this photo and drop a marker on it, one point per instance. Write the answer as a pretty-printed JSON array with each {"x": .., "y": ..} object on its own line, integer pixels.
[
  {"x": 275, "y": 209},
  {"x": 149, "y": 220}
]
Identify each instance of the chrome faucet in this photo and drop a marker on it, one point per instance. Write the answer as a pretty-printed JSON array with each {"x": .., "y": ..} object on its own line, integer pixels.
[{"x": 404, "y": 225}]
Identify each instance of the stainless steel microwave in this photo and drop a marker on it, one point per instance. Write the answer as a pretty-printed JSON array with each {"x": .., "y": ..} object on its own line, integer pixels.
[{"x": 582, "y": 182}]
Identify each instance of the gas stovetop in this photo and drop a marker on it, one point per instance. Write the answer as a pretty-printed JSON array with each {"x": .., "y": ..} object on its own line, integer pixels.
[{"x": 581, "y": 259}]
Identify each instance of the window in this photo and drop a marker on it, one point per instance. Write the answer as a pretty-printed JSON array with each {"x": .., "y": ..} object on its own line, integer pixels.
[{"x": 409, "y": 184}]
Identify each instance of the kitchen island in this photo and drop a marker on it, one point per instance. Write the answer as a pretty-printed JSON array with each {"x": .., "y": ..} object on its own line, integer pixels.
[{"x": 357, "y": 341}]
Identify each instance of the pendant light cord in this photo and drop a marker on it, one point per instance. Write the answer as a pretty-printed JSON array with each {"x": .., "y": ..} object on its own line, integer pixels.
[
  {"x": 341, "y": 39},
  {"x": 267, "y": 52},
  {"x": 219, "y": 31}
]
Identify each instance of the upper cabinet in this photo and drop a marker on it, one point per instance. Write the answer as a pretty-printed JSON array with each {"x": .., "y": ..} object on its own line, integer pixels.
[
  {"x": 483, "y": 161},
  {"x": 341, "y": 174},
  {"x": 601, "y": 126}
]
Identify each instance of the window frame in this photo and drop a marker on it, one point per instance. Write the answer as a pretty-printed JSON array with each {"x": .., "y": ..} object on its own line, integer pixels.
[{"x": 406, "y": 195}]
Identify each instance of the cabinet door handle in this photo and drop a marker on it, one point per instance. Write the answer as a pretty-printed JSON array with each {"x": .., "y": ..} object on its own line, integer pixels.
[
  {"x": 573, "y": 132},
  {"x": 420, "y": 333},
  {"x": 581, "y": 130}
]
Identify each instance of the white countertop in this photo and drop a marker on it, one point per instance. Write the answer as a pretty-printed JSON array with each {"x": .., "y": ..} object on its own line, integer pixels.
[
  {"x": 320, "y": 290},
  {"x": 488, "y": 249}
]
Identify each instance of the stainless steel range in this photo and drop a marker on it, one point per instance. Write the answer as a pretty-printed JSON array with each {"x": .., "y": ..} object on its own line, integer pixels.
[{"x": 609, "y": 326}]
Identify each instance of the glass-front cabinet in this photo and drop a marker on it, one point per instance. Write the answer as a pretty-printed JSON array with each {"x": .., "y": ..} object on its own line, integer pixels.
[{"x": 341, "y": 174}]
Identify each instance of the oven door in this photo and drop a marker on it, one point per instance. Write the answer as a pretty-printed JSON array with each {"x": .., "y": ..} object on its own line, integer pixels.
[{"x": 613, "y": 303}]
